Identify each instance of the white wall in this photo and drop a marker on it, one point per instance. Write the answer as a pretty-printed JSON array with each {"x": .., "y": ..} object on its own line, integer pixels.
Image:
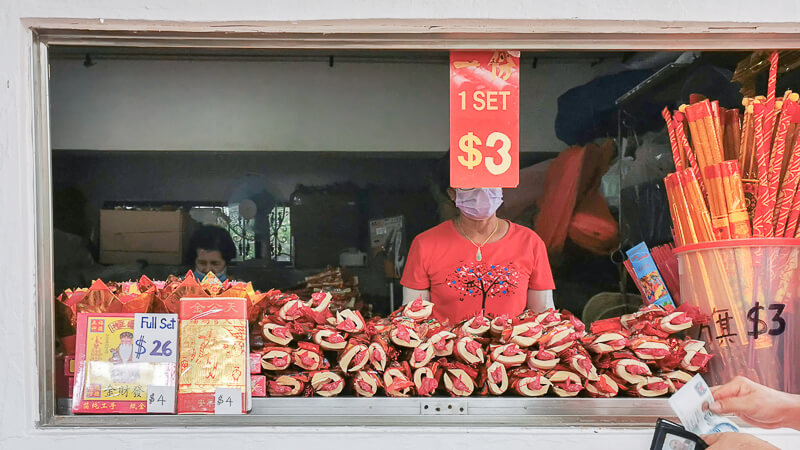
[
  {"x": 18, "y": 379},
  {"x": 281, "y": 105}
]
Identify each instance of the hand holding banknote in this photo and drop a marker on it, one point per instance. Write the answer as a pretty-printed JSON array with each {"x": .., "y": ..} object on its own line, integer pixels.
[
  {"x": 691, "y": 405},
  {"x": 756, "y": 404}
]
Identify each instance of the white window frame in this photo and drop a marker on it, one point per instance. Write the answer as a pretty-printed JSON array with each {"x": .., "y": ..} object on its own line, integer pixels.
[{"x": 346, "y": 34}]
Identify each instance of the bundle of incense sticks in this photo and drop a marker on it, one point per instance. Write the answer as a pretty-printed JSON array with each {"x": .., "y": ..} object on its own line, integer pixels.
[
  {"x": 737, "y": 176},
  {"x": 745, "y": 164},
  {"x": 777, "y": 166},
  {"x": 747, "y": 155},
  {"x": 732, "y": 133},
  {"x": 688, "y": 208}
]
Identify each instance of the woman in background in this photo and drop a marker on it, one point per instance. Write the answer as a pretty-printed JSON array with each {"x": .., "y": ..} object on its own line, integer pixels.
[{"x": 211, "y": 249}]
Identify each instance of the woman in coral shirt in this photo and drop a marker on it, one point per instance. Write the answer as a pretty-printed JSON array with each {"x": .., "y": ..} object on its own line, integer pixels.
[{"x": 478, "y": 261}]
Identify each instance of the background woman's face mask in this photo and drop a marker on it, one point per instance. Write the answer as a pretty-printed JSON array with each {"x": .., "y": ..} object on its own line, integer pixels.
[
  {"x": 222, "y": 276},
  {"x": 479, "y": 203},
  {"x": 210, "y": 261}
]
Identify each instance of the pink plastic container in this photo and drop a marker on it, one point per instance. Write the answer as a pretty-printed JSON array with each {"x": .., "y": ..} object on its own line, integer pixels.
[{"x": 750, "y": 289}]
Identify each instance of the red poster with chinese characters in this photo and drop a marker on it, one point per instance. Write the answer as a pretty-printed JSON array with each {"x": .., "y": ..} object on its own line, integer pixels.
[
  {"x": 108, "y": 378},
  {"x": 214, "y": 352},
  {"x": 484, "y": 119}
]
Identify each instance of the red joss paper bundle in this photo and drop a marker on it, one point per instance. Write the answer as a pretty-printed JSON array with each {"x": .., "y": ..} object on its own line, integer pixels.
[{"x": 411, "y": 354}]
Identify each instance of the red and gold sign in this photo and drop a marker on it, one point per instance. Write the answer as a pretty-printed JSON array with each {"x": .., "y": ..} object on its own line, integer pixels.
[
  {"x": 213, "y": 351},
  {"x": 484, "y": 119}
]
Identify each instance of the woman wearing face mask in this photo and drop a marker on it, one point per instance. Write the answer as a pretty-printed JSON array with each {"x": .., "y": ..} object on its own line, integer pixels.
[
  {"x": 477, "y": 261},
  {"x": 211, "y": 249}
]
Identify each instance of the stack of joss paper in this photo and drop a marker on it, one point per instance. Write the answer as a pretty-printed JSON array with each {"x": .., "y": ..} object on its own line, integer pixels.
[
  {"x": 145, "y": 295},
  {"x": 737, "y": 172}
]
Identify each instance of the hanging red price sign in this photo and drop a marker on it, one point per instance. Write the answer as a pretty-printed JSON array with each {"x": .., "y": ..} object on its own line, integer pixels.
[{"x": 484, "y": 119}]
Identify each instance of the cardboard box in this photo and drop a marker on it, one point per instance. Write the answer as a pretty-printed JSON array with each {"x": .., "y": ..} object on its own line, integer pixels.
[{"x": 130, "y": 235}]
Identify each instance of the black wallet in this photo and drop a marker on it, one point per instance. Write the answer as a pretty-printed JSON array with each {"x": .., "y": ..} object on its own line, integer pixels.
[{"x": 671, "y": 436}]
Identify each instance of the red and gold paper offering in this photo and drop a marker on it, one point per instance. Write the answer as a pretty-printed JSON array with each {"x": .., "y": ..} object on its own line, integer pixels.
[{"x": 213, "y": 352}]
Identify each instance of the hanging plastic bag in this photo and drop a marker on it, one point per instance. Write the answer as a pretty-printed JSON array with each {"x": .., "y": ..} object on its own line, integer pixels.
[{"x": 610, "y": 184}]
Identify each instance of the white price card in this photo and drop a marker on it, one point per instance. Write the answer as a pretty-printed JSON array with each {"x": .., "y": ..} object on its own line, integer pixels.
[
  {"x": 160, "y": 399},
  {"x": 155, "y": 338},
  {"x": 228, "y": 401}
]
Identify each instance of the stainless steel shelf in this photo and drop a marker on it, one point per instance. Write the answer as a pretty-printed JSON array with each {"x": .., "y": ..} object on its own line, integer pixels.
[{"x": 435, "y": 411}]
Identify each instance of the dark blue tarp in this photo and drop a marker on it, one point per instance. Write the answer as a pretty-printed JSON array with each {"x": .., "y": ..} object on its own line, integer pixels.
[{"x": 589, "y": 111}]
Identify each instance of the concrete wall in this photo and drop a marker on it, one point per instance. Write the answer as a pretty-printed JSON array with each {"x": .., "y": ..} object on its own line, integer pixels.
[
  {"x": 281, "y": 105},
  {"x": 19, "y": 388}
]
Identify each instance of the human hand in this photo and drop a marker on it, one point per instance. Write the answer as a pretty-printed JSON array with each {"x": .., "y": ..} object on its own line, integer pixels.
[
  {"x": 736, "y": 441},
  {"x": 756, "y": 404}
]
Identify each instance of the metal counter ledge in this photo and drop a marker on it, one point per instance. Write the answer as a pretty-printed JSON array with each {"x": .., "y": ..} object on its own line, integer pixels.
[{"x": 383, "y": 411}]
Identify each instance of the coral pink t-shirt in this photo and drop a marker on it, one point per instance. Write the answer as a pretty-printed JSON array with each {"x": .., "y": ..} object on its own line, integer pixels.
[{"x": 444, "y": 261}]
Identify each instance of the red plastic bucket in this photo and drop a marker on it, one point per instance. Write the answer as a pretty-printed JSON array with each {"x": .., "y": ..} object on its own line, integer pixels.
[{"x": 750, "y": 288}]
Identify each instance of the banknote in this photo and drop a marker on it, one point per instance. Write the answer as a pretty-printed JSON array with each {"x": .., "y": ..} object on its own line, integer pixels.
[{"x": 691, "y": 405}]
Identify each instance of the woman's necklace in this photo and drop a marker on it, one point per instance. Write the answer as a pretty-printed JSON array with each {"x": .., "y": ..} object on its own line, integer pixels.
[{"x": 478, "y": 255}]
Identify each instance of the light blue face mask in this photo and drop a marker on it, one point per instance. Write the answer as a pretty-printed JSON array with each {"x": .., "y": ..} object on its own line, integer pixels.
[{"x": 222, "y": 276}]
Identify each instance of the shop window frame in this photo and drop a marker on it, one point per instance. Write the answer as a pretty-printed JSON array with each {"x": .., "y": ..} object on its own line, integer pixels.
[{"x": 344, "y": 34}]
